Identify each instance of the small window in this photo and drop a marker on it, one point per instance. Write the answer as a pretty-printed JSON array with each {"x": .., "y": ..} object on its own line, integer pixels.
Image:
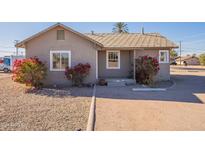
[
  {"x": 59, "y": 60},
  {"x": 113, "y": 60},
  {"x": 163, "y": 56},
  {"x": 60, "y": 35}
]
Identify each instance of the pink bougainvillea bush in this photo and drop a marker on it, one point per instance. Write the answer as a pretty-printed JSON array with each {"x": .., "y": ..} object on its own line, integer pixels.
[
  {"x": 30, "y": 71},
  {"x": 146, "y": 68},
  {"x": 78, "y": 73}
]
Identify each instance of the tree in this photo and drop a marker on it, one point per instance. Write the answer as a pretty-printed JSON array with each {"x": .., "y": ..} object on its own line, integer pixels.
[
  {"x": 194, "y": 55},
  {"x": 120, "y": 27},
  {"x": 173, "y": 54},
  {"x": 202, "y": 59}
]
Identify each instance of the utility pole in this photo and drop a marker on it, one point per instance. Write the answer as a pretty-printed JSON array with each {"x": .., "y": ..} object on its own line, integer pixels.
[
  {"x": 180, "y": 51},
  {"x": 15, "y": 42}
]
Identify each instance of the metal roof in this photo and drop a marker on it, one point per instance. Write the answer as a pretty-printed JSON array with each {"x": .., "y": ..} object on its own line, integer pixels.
[
  {"x": 132, "y": 40},
  {"x": 116, "y": 40}
]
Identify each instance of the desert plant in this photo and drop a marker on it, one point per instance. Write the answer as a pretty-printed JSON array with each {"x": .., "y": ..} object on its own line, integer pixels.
[
  {"x": 146, "y": 69},
  {"x": 202, "y": 59},
  {"x": 78, "y": 73},
  {"x": 102, "y": 82},
  {"x": 120, "y": 27},
  {"x": 30, "y": 71}
]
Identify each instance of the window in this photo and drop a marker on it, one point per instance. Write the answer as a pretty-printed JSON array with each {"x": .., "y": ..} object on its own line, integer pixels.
[
  {"x": 59, "y": 60},
  {"x": 163, "y": 56},
  {"x": 60, "y": 35},
  {"x": 113, "y": 60}
]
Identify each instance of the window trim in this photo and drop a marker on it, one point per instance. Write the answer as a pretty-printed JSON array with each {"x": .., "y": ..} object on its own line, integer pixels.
[
  {"x": 107, "y": 53},
  {"x": 59, "y": 51},
  {"x": 164, "y": 62}
]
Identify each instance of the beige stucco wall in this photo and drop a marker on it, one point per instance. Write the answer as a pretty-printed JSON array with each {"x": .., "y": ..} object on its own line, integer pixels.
[
  {"x": 125, "y": 65},
  {"x": 82, "y": 51},
  {"x": 164, "y": 72}
]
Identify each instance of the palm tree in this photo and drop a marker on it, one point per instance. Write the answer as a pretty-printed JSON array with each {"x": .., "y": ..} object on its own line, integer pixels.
[{"x": 120, "y": 27}]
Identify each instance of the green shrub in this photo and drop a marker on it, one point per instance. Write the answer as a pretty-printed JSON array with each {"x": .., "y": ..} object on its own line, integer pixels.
[
  {"x": 30, "y": 71},
  {"x": 202, "y": 59},
  {"x": 146, "y": 69}
]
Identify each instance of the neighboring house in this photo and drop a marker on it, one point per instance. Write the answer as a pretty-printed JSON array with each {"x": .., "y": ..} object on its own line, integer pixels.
[
  {"x": 111, "y": 55},
  {"x": 190, "y": 60}
]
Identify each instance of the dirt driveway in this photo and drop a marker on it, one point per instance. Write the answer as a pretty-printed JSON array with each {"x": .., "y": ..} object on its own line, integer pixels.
[{"x": 179, "y": 108}]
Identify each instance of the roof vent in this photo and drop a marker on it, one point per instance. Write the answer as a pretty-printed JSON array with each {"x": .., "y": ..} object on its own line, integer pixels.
[
  {"x": 92, "y": 32},
  {"x": 142, "y": 30}
]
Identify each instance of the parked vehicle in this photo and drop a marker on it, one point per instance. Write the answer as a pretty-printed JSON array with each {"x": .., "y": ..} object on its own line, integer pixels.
[
  {"x": 1, "y": 60},
  {"x": 8, "y": 62}
]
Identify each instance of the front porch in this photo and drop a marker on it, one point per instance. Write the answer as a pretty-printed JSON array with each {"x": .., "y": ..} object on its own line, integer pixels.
[
  {"x": 122, "y": 65},
  {"x": 119, "y": 65}
]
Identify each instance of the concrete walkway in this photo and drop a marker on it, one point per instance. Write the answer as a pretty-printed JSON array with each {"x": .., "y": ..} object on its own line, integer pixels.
[{"x": 179, "y": 108}]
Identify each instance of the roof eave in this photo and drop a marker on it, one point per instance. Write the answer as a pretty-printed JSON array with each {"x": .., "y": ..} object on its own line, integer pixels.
[
  {"x": 135, "y": 48},
  {"x": 22, "y": 43}
]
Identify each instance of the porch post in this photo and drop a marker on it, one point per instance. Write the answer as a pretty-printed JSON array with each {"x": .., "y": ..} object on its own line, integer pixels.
[
  {"x": 96, "y": 65},
  {"x": 134, "y": 55}
]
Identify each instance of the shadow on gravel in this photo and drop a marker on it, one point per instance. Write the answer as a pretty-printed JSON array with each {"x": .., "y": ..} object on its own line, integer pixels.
[
  {"x": 184, "y": 90},
  {"x": 63, "y": 92},
  {"x": 189, "y": 69}
]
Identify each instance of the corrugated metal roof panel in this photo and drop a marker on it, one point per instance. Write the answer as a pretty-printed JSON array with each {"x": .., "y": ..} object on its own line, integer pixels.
[{"x": 132, "y": 40}]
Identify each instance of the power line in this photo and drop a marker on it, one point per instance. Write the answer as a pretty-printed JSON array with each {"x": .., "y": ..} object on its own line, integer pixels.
[
  {"x": 6, "y": 46},
  {"x": 6, "y": 51},
  {"x": 191, "y": 36},
  {"x": 188, "y": 42},
  {"x": 194, "y": 35},
  {"x": 193, "y": 48},
  {"x": 180, "y": 50}
]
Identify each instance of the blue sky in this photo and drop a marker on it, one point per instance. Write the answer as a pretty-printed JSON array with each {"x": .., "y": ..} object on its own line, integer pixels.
[{"x": 192, "y": 35}]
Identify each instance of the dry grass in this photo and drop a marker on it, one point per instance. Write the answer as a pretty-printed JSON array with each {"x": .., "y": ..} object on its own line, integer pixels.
[{"x": 42, "y": 110}]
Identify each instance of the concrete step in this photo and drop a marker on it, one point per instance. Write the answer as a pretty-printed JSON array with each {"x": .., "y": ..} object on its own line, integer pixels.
[
  {"x": 116, "y": 84},
  {"x": 120, "y": 82},
  {"x": 130, "y": 82}
]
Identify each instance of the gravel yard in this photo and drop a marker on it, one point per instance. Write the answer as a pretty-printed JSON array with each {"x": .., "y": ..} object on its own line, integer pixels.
[
  {"x": 47, "y": 109},
  {"x": 4, "y": 75}
]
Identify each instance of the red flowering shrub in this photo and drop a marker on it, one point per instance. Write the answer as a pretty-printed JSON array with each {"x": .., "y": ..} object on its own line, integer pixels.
[
  {"x": 77, "y": 73},
  {"x": 146, "y": 69},
  {"x": 30, "y": 71}
]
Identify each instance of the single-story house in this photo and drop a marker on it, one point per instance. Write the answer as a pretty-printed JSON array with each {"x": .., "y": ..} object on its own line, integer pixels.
[
  {"x": 190, "y": 60},
  {"x": 111, "y": 55}
]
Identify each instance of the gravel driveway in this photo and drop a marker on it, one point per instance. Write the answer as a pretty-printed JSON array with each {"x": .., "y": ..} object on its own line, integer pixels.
[
  {"x": 43, "y": 110},
  {"x": 4, "y": 75},
  {"x": 179, "y": 108}
]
